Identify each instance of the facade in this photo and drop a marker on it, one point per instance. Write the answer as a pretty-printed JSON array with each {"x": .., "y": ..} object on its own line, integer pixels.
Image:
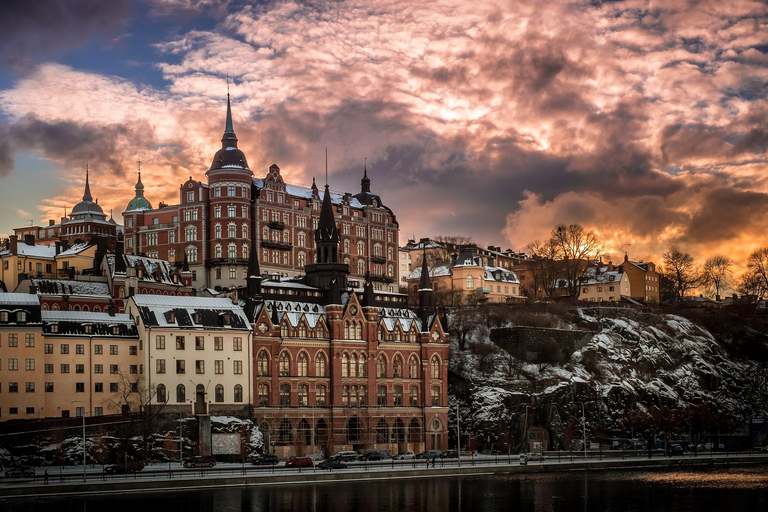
[
  {"x": 87, "y": 222},
  {"x": 643, "y": 280},
  {"x": 216, "y": 219},
  {"x": 44, "y": 235},
  {"x": 468, "y": 280},
  {"x": 56, "y": 364},
  {"x": 604, "y": 284},
  {"x": 338, "y": 367},
  {"x": 19, "y": 260},
  {"x": 196, "y": 353}
]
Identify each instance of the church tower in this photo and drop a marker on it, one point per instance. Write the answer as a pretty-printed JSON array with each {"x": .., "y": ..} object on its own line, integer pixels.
[{"x": 327, "y": 272}]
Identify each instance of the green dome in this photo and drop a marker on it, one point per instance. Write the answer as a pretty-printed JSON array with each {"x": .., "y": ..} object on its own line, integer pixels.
[{"x": 139, "y": 202}]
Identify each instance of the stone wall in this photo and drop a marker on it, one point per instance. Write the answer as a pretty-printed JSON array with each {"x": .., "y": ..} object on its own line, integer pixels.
[{"x": 539, "y": 344}]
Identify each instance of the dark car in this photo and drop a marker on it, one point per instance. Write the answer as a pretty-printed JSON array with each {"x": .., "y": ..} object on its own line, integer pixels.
[
  {"x": 266, "y": 460},
  {"x": 429, "y": 454},
  {"x": 20, "y": 471},
  {"x": 201, "y": 461},
  {"x": 450, "y": 454},
  {"x": 332, "y": 464},
  {"x": 131, "y": 467},
  {"x": 372, "y": 456},
  {"x": 300, "y": 462}
]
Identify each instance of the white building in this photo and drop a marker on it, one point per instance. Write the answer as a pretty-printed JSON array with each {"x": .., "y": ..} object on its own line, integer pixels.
[{"x": 603, "y": 284}]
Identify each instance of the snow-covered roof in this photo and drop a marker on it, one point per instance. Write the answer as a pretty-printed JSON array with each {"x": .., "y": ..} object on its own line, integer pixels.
[
  {"x": 600, "y": 275},
  {"x": 32, "y": 251},
  {"x": 154, "y": 270},
  {"x": 86, "y": 316},
  {"x": 75, "y": 249},
  {"x": 19, "y": 299},
  {"x": 294, "y": 311},
  {"x": 71, "y": 287},
  {"x": 389, "y": 318},
  {"x": 500, "y": 275},
  {"x": 178, "y": 311},
  {"x": 306, "y": 193},
  {"x": 436, "y": 271}
]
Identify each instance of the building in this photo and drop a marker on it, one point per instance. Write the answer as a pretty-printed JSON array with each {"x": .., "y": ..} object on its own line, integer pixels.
[
  {"x": 44, "y": 235},
  {"x": 20, "y": 260},
  {"x": 216, "y": 219},
  {"x": 338, "y": 367},
  {"x": 197, "y": 353},
  {"x": 643, "y": 280},
  {"x": 57, "y": 364},
  {"x": 467, "y": 279},
  {"x": 604, "y": 283},
  {"x": 87, "y": 222}
]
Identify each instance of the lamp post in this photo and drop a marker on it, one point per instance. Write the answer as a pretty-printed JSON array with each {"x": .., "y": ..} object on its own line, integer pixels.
[
  {"x": 81, "y": 403},
  {"x": 584, "y": 426}
]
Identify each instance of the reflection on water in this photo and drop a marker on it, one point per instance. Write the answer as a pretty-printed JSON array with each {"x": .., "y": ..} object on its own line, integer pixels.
[{"x": 731, "y": 490}]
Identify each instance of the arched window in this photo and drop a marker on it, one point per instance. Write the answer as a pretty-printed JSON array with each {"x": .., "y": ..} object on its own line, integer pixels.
[
  {"x": 434, "y": 367},
  {"x": 345, "y": 365},
  {"x": 285, "y": 395},
  {"x": 353, "y": 396},
  {"x": 397, "y": 367},
  {"x": 320, "y": 396},
  {"x": 181, "y": 394},
  {"x": 345, "y": 396},
  {"x": 382, "y": 334},
  {"x": 302, "y": 363},
  {"x": 55, "y": 307},
  {"x": 320, "y": 362},
  {"x": 238, "y": 393},
  {"x": 346, "y": 330},
  {"x": 303, "y": 395},
  {"x": 435, "y": 396},
  {"x": 470, "y": 283},
  {"x": 361, "y": 366},
  {"x": 302, "y": 239},
  {"x": 302, "y": 259},
  {"x": 353, "y": 366},
  {"x": 361, "y": 396},
  {"x": 284, "y": 330},
  {"x": 284, "y": 365},
  {"x": 262, "y": 364},
  {"x": 381, "y": 366},
  {"x": 396, "y": 333},
  {"x": 161, "y": 395},
  {"x": 96, "y": 309},
  {"x": 413, "y": 368},
  {"x": 361, "y": 267},
  {"x": 381, "y": 396},
  {"x": 191, "y": 254},
  {"x": 263, "y": 391},
  {"x": 414, "y": 397},
  {"x": 191, "y": 234},
  {"x": 361, "y": 248},
  {"x": 219, "y": 393},
  {"x": 359, "y": 331},
  {"x": 398, "y": 396},
  {"x": 302, "y": 330}
]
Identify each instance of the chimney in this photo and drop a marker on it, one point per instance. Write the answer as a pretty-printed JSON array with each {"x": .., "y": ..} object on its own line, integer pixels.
[
  {"x": 610, "y": 266},
  {"x": 32, "y": 289},
  {"x": 51, "y": 222},
  {"x": 111, "y": 308},
  {"x": 13, "y": 244},
  {"x": 58, "y": 248},
  {"x": 29, "y": 239}
]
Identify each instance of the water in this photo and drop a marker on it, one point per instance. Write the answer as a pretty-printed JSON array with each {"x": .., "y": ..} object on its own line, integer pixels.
[{"x": 732, "y": 490}]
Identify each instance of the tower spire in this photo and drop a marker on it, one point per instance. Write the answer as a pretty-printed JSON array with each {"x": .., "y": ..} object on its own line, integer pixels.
[
  {"x": 365, "y": 183},
  {"x": 87, "y": 194},
  {"x": 229, "y": 140}
]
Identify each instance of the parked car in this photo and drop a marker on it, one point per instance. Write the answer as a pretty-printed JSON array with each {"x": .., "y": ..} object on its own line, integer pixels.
[
  {"x": 450, "y": 454},
  {"x": 346, "y": 456},
  {"x": 332, "y": 464},
  {"x": 300, "y": 462},
  {"x": 676, "y": 449},
  {"x": 266, "y": 460},
  {"x": 404, "y": 456},
  {"x": 527, "y": 457},
  {"x": 125, "y": 468},
  {"x": 372, "y": 456},
  {"x": 429, "y": 454},
  {"x": 20, "y": 472},
  {"x": 200, "y": 461}
]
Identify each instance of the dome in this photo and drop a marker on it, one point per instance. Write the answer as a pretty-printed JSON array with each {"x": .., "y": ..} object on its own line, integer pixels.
[
  {"x": 229, "y": 157},
  {"x": 139, "y": 202},
  {"x": 87, "y": 206}
]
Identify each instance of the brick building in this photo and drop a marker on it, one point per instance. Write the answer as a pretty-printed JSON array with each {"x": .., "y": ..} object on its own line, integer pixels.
[{"x": 215, "y": 220}]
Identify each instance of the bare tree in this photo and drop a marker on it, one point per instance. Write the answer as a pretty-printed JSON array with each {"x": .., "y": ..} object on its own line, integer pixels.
[
  {"x": 681, "y": 270},
  {"x": 717, "y": 273},
  {"x": 544, "y": 266},
  {"x": 758, "y": 264},
  {"x": 447, "y": 246},
  {"x": 577, "y": 248},
  {"x": 753, "y": 286}
]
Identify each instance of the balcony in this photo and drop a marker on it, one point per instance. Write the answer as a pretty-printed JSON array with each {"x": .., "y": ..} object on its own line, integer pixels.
[
  {"x": 226, "y": 261},
  {"x": 276, "y": 224},
  {"x": 274, "y": 244},
  {"x": 382, "y": 278},
  {"x": 378, "y": 259}
]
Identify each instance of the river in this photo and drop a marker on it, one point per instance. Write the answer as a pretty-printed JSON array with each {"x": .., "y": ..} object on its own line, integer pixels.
[{"x": 731, "y": 490}]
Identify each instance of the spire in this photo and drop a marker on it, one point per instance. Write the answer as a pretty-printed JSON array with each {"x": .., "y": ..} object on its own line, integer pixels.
[
  {"x": 365, "y": 183},
  {"x": 425, "y": 294},
  {"x": 87, "y": 195},
  {"x": 326, "y": 234},
  {"x": 229, "y": 140},
  {"x": 424, "y": 283}
]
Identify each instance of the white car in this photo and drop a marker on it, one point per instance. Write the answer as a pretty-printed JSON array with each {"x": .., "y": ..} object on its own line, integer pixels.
[
  {"x": 527, "y": 457},
  {"x": 404, "y": 456}
]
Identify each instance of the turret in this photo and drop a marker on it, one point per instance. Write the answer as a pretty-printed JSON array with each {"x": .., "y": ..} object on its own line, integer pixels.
[{"x": 327, "y": 235}]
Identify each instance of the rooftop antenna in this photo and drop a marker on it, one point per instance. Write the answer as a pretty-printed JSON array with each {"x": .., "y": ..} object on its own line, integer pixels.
[{"x": 326, "y": 166}]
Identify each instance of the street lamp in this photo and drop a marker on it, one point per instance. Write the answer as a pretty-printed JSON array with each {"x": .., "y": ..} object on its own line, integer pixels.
[
  {"x": 584, "y": 426},
  {"x": 84, "y": 466}
]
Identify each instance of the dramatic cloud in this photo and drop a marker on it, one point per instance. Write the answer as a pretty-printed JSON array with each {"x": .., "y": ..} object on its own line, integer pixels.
[{"x": 644, "y": 122}]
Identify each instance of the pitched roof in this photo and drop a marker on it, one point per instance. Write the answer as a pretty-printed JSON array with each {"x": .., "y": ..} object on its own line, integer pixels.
[
  {"x": 200, "y": 312},
  {"x": 19, "y": 299}
]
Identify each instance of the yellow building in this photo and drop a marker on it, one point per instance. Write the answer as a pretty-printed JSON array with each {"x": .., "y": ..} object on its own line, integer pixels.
[{"x": 19, "y": 260}]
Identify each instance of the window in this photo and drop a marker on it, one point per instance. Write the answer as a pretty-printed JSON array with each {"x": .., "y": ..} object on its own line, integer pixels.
[
  {"x": 64, "y": 368},
  {"x": 98, "y": 387},
  {"x": 381, "y": 396},
  {"x": 199, "y": 367},
  {"x": 13, "y": 340},
  {"x": 113, "y": 387},
  {"x": 79, "y": 349},
  {"x": 381, "y": 366},
  {"x": 345, "y": 396},
  {"x": 65, "y": 349},
  {"x": 285, "y": 395},
  {"x": 13, "y": 364},
  {"x": 345, "y": 365},
  {"x": 218, "y": 366},
  {"x": 320, "y": 396},
  {"x": 470, "y": 283},
  {"x": 133, "y": 369},
  {"x": 79, "y": 368},
  {"x": 435, "y": 396},
  {"x": 397, "y": 367},
  {"x": 237, "y": 367},
  {"x": 48, "y": 348},
  {"x": 302, "y": 364},
  {"x": 231, "y": 211},
  {"x": 29, "y": 365},
  {"x": 13, "y": 387},
  {"x": 80, "y": 387},
  {"x": 49, "y": 387},
  {"x": 219, "y": 393},
  {"x": 284, "y": 365},
  {"x": 48, "y": 368},
  {"x": 199, "y": 343},
  {"x": 398, "y": 396},
  {"x": 414, "y": 397},
  {"x": 232, "y": 270},
  {"x": 237, "y": 344},
  {"x": 361, "y": 366},
  {"x": 181, "y": 394},
  {"x": 180, "y": 366},
  {"x": 29, "y": 387},
  {"x": 413, "y": 368},
  {"x": 160, "y": 365},
  {"x": 161, "y": 396},
  {"x": 263, "y": 392},
  {"x": 98, "y": 349},
  {"x": 113, "y": 350},
  {"x": 29, "y": 340},
  {"x": 180, "y": 341},
  {"x": 160, "y": 342},
  {"x": 113, "y": 369},
  {"x": 303, "y": 395},
  {"x": 434, "y": 367},
  {"x": 98, "y": 368},
  {"x": 262, "y": 364}
]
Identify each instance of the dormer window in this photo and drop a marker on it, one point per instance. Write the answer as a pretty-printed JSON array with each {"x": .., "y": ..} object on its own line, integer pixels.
[
  {"x": 115, "y": 329},
  {"x": 226, "y": 318},
  {"x": 611, "y": 278},
  {"x": 3, "y": 316},
  {"x": 197, "y": 318},
  {"x": 21, "y": 316},
  {"x": 170, "y": 317},
  {"x": 88, "y": 328},
  {"x": 53, "y": 328}
]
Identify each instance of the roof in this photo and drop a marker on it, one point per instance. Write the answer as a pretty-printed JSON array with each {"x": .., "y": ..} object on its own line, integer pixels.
[
  {"x": 306, "y": 193},
  {"x": 71, "y": 287},
  {"x": 436, "y": 271},
  {"x": 76, "y": 249},
  {"x": 154, "y": 270},
  {"x": 600, "y": 275},
  {"x": 73, "y": 323},
  {"x": 500, "y": 275},
  {"x": 86, "y": 316},
  {"x": 32, "y": 251},
  {"x": 200, "y": 312},
  {"x": 19, "y": 299}
]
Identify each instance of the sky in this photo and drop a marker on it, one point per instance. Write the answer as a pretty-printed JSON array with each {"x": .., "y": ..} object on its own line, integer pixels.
[{"x": 644, "y": 121}]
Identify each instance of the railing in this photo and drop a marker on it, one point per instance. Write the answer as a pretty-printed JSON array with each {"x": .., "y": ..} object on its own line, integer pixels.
[
  {"x": 276, "y": 224},
  {"x": 275, "y": 244}
]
